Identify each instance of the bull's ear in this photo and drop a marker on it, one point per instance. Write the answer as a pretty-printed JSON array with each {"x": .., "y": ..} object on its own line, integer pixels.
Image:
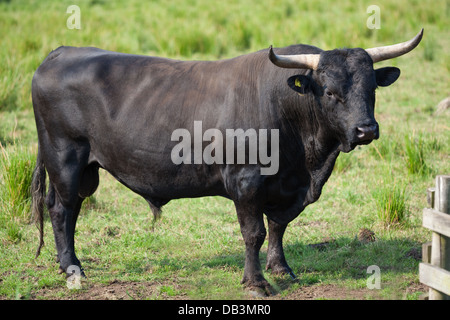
[
  {"x": 387, "y": 76},
  {"x": 300, "y": 83}
]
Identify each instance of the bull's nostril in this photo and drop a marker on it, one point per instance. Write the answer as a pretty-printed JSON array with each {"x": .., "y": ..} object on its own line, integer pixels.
[
  {"x": 366, "y": 132},
  {"x": 360, "y": 133}
]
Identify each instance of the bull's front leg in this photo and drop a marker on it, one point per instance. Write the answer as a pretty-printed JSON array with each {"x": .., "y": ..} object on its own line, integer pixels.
[
  {"x": 276, "y": 260},
  {"x": 253, "y": 231}
]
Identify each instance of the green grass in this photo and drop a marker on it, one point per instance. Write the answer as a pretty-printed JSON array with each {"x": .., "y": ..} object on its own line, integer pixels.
[
  {"x": 415, "y": 156},
  {"x": 196, "y": 249},
  {"x": 16, "y": 167},
  {"x": 391, "y": 201}
]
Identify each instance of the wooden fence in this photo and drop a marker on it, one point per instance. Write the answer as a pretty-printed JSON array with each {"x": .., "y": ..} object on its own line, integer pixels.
[{"x": 435, "y": 270}]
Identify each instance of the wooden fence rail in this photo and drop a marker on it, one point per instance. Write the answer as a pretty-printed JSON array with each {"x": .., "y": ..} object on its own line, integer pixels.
[{"x": 435, "y": 272}]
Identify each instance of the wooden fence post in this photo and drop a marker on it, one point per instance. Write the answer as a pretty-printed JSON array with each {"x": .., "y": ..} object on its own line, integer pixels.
[
  {"x": 426, "y": 247},
  {"x": 440, "y": 247}
]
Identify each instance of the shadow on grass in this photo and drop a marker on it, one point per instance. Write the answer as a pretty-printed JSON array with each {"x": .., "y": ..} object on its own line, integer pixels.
[
  {"x": 337, "y": 260},
  {"x": 345, "y": 258}
]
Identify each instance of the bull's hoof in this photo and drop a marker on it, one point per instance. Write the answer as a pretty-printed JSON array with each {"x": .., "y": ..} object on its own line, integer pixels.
[
  {"x": 75, "y": 270},
  {"x": 72, "y": 270},
  {"x": 281, "y": 269},
  {"x": 260, "y": 288}
]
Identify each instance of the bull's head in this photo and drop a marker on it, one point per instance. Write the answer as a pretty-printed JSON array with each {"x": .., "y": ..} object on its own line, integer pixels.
[{"x": 344, "y": 83}]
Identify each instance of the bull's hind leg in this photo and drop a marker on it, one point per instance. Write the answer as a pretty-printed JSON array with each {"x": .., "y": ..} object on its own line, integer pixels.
[
  {"x": 63, "y": 217},
  {"x": 71, "y": 180}
]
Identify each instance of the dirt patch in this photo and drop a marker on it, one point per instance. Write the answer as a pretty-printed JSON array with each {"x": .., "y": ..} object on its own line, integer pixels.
[
  {"x": 334, "y": 292},
  {"x": 115, "y": 290},
  {"x": 119, "y": 290},
  {"x": 331, "y": 292},
  {"x": 171, "y": 290}
]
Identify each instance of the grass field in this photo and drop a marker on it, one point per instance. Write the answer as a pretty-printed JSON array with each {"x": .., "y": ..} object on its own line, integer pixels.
[{"x": 196, "y": 250}]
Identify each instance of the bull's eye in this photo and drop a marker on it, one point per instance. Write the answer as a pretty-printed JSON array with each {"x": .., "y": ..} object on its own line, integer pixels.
[{"x": 329, "y": 93}]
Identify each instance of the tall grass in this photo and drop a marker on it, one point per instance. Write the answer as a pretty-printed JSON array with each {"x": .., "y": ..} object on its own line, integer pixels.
[
  {"x": 391, "y": 200},
  {"x": 415, "y": 149},
  {"x": 16, "y": 168}
]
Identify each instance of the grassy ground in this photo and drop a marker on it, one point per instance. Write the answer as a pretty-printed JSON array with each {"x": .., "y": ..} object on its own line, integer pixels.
[{"x": 196, "y": 249}]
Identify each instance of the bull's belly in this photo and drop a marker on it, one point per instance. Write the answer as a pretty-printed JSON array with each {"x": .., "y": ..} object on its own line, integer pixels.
[
  {"x": 169, "y": 187},
  {"x": 166, "y": 182}
]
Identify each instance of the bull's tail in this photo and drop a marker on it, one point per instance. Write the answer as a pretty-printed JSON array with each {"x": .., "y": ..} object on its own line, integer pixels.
[{"x": 38, "y": 198}]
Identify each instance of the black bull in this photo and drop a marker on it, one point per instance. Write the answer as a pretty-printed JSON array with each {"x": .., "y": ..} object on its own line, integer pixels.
[{"x": 99, "y": 109}]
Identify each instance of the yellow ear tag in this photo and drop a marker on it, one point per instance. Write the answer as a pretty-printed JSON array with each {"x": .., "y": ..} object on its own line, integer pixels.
[{"x": 298, "y": 84}]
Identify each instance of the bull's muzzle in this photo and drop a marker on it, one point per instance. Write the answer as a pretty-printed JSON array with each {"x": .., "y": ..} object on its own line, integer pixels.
[{"x": 367, "y": 133}]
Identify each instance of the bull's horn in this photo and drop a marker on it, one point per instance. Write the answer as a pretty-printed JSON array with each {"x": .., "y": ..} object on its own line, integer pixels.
[
  {"x": 299, "y": 61},
  {"x": 388, "y": 52}
]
